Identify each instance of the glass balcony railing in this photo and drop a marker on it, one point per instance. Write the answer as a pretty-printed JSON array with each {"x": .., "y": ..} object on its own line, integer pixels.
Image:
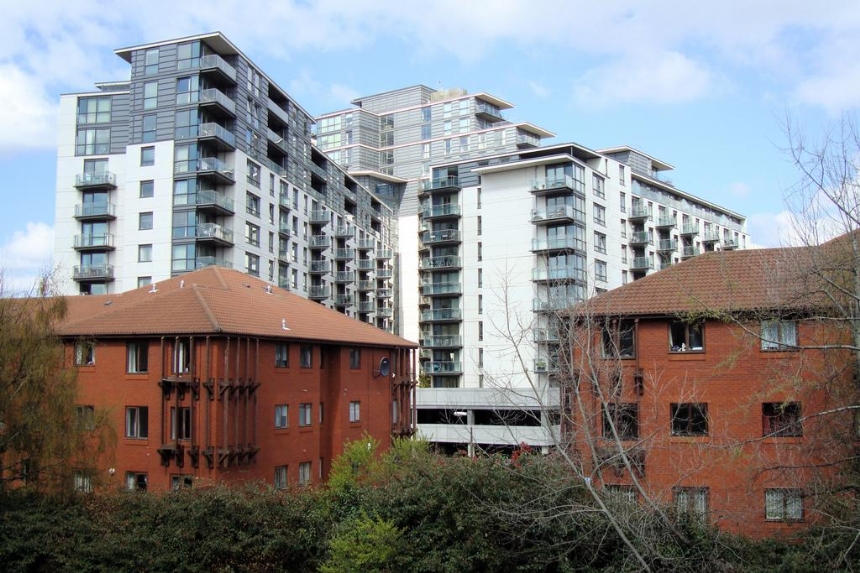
[
  {"x": 343, "y": 299},
  {"x": 216, "y": 62},
  {"x": 318, "y": 216},
  {"x": 93, "y": 272},
  {"x": 384, "y": 253},
  {"x": 384, "y": 273},
  {"x": 441, "y": 211},
  {"x": 541, "y": 186},
  {"x": 384, "y": 293},
  {"x": 319, "y": 241},
  {"x": 316, "y": 291},
  {"x": 668, "y": 245},
  {"x": 559, "y": 274},
  {"x": 443, "y": 262},
  {"x": 639, "y": 212},
  {"x": 365, "y": 264},
  {"x": 557, "y": 213},
  {"x": 344, "y": 254},
  {"x": 214, "y": 198},
  {"x": 443, "y": 236},
  {"x": 203, "y": 262},
  {"x": 100, "y": 179},
  {"x": 95, "y": 211},
  {"x": 666, "y": 221},
  {"x": 99, "y": 241},
  {"x": 552, "y": 304},
  {"x": 216, "y": 96},
  {"x": 218, "y": 132},
  {"x": 365, "y": 244},
  {"x": 639, "y": 237},
  {"x": 642, "y": 264},
  {"x": 443, "y": 367},
  {"x": 690, "y": 229},
  {"x": 558, "y": 243},
  {"x": 439, "y": 314},
  {"x": 443, "y": 341},
  {"x": 366, "y": 306},
  {"x": 690, "y": 251},
  {"x": 365, "y": 286},
  {"x": 344, "y": 276},
  {"x": 450, "y": 182},
  {"x": 320, "y": 266},
  {"x": 385, "y": 311},
  {"x": 441, "y": 288},
  {"x": 344, "y": 231},
  {"x": 213, "y": 231}
]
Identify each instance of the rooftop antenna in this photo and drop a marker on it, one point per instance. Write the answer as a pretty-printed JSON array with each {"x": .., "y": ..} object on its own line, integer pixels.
[
  {"x": 284, "y": 324},
  {"x": 154, "y": 289}
]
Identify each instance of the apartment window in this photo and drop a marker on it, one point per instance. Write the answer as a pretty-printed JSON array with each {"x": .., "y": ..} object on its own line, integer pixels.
[
  {"x": 92, "y": 142},
  {"x": 600, "y": 242},
  {"x": 464, "y": 125},
  {"x": 619, "y": 339},
  {"x": 252, "y": 264},
  {"x": 480, "y": 304},
  {"x": 685, "y": 336},
  {"x": 178, "y": 482},
  {"x": 252, "y": 204},
  {"x": 137, "y": 422},
  {"x": 623, "y": 202},
  {"x": 781, "y": 420},
  {"x": 147, "y": 189},
  {"x": 280, "y": 477},
  {"x": 150, "y": 95},
  {"x": 85, "y": 353},
  {"x": 306, "y": 356},
  {"x": 425, "y": 131},
  {"x": 480, "y": 226},
  {"x": 282, "y": 419},
  {"x": 180, "y": 423},
  {"x": 93, "y": 110},
  {"x": 145, "y": 221},
  {"x": 480, "y": 278},
  {"x": 182, "y": 356},
  {"x": 625, "y": 419},
  {"x": 689, "y": 419},
  {"x": 136, "y": 481},
  {"x": 355, "y": 411},
  {"x": 143, "y": 281},
  {"x": 480, "y": 330},
  {"x": 147, "y": 156},
  {"x": 86, "y": 417},
  {"x": 620, "y": 494},
  {"x": 691, "y": 501},
  {"x": 144, "y": 253},
  {"x": 187, "y": 90},
  {"x": 137, "y": 357},
  {"x": 355, "y": 358},
  {"x": 599, "y": 214},
  {"x": 778, "y": 334},
  {"x": 622, "y": 176},
  {"x": 600, "y": 272},
  {"x": 304, "y": 473},
  {"x": 305, "y": 414},
  {"x": 282, "y": 355},
  {"x": 597, "y": 186},
  {"x": 252, "y": 234},
  {"x": 480, "y": 252},
  {"x": 148, "y": 129},
  {"x": 151, "y": 62},
  {"x": 83, "y": 482},
  {"x": 783, "y": 504},
  {"x": 624, "y": 254}
]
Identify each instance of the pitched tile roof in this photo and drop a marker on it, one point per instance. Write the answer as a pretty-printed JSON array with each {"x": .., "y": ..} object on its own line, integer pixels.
[
  {"x": 724, "y": 281},
  {"x": 217, "y": 301}
]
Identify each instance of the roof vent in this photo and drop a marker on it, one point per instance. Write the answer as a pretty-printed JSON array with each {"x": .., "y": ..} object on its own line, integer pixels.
[
  {"x": 268, "y": 289},
  {"x": 154, "y": 289},
  {"x": 182, "y": 283},
  {"x": 284, "y": 324}
]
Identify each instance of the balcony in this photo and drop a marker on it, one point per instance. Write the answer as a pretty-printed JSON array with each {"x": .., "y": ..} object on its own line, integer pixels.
[
  {"x": 555, "y": 185},
  {"x": 217, "y": 100},
  {"x": 558, "y": 244},
  {"x": 344, "y": 254},
  {"x": 730, "y": 244},
  {"x": 442, "y": 315},
  {"x": 203, "y": 262},
  {"x": 319, "y": 241},
  {"x": 279, "y": 112},
  {"x": 385, "y": 311},
  {"x": 442, "y": 184},
  {"x": 214, "y": 201},
  {"x": 690, "y": 251},
  {"x": 365, "y": 264},
  {"x": 207, "y": 166},
  {"x": 544, "y": 366},
  {"x": 88, "y": 273},
  {"x": 439, "y": 289},
  {"x": 284, "y": 229},
  {"x": 284, "y": 256},
  {"x": 526, "y": 140},
  {"x": 342, "y": 299},
  {"x": 384, "y": 273},
  {"x": 215, "y": 64},
  {"x": 224, "y": 138},
  {"x": 344, "y": 276},
  {"x": 367, "y": 306},
  {"x": 639, "y": 238},
  {"x": 666, "y": 222},
  {"x": 318, "y": 292},
  {"x": 366, "y": 286},
  {"x": 276, "y": 139},
  {"x": 559, "y": 274},
  {"x": 365, "y": 244},
  {"x": 320, "y": 267},
  {"x": 440, "y": 237},
  {"x": 440, "y": 211},
  {"x": 318, "y": 217},
  {"x": 344, "y": 232},
  {"x": 711, "y": 236},
  {"x": 384, "y": 293},
  {"x": 443, "y": 262},
  {"x": 384, "y": 254},
  {"x": 442, "y": 341},
  {"x": 668, "y": 245},
  {"x": 690, "y": 229},
  {"x": 101, "y": 242},
  {"x": 104, "y": 179},
  {"x": 639, "y": 213},
  {"x": 546, "y": 335},
  {"x": 642, "y": 264},
  {"x": 488, "y": 112},
  {"x": 443, "y": 368},
  {"x": 85, "y": 211},
  {"x": 552, "y": 304},
  {"x": 214, "y": 233},
  {"x": 284, "y": 200},
  {"x": 560, "y": 214}
]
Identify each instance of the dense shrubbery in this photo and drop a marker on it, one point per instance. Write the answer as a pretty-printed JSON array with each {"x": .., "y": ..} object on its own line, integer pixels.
[{"x": 408, "y": 510}]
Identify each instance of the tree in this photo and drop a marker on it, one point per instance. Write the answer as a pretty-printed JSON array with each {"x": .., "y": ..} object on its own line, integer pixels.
[{"x": 47, "y": 441}]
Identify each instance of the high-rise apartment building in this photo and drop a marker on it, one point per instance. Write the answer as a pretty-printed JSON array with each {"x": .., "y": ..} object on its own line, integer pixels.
[{"x": 201, "y": 159}]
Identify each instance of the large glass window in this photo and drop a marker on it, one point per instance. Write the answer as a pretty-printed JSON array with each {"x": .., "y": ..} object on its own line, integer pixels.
[
  {"x": 94, "y": 110},
  {"x": 783, "y": 504},
  {"x": 137, "y": 357},
  {"x": 624, "y": 418},
  {"x": 188, "y": 55},
  {"x": 150, "y": 95},
  {"x": 187, "y": 90},
  {"x": 148, "y": 128},
  {"x": 137, "y": 422},
  {"x": 151, "y": 62},
  {"x": 689, "y": 419},
  {"x": 778, "y": 334},
  {"x": 619, "y": 339},
  {"x": 186, "y": 123},
  {"x": 183, "y": 257},
  {"x": 685, "y": 336},
  {"x": 92, "y": 142}
]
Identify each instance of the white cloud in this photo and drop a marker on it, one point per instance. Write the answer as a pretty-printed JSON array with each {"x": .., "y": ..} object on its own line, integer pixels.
[
  {"x": 539, "y": 89},
  {"x": 739, "y": 189},
  {"x": 25, "y": 257}
]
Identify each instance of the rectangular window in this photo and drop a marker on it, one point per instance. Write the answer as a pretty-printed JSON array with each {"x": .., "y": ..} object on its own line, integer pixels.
[
  {"x": 778, "y": 334},
  {"x": 150, "y": 95},
  {"x": 280, "y": 477},
  {"x": 83, "y": 482},
  {"x": 148, "y": 129},
  {"x": 144, "y": 253},
  {"x": 304, "y": 473},
  {"x": 625, "y": 419},
  {"x": 599, "y": 214},
  {"x": 600, "y": 272},
  {"x": 600, "y": 242},
  {"x": 85, "y": 353},
  {"x": 282, "y": 355},
  {"x": 137, "y": 422},
  {"x": 93, "y": 110},
  {"x": 136, "y": 481},
  {"x": 622, "y": 199},
  {"x": 252, "y": 204},
  {"x": 145, "y": 221},
  {"x": 151, "y": 62},
  {"x": 622, "y": 176},
  {"x": 86, "y": 417},
  {"x": 252, "y": 264},
  {"x": 180, "y": 423},
  {"x": 137, "y": 357},
  {"x": 620, "y": 494},
  {"x": 253, "y": 177},
  {"x": 619, "y": 339},
  {"x": 781, "y": 420},
  {"x": 305, "y": 414},
  {"x": 691, "y": 501},
  {"x": 252, "y": 234},
  {"x": 147, "y": 189},
  {"x": 355, "y": 358},
  {"x": 355, "y": 411},
  {"x": 147, "y": 156},
  {"x": 92, "y": 142},
  {"x": 282, "y": 419},
  {"x": 783, "y": 504},
  {"x": 306, "y": 355},
  {"x": 689, "y": 419},
  {"x": 143, "y": 281},
  {"x": 321, "y": 412},
  {"x": 685, "y": 336},
  {"x": 597, "y": 186}
]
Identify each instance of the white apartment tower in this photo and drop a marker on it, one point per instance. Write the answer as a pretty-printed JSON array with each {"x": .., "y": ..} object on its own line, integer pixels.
[{"x": 201, "y": 159}]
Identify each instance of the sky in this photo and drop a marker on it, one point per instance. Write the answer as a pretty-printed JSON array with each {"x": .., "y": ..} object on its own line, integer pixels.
[{"x": 705, "y": 87}]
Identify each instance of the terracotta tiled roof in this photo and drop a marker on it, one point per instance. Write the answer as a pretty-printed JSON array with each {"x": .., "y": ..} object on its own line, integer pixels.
[
  {"x": 722, "y": 281},
  {"x": 216, "y": 300}
]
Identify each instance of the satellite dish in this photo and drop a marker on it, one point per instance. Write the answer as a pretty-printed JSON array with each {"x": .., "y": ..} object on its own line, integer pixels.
[{"x": 384, "y": 367}]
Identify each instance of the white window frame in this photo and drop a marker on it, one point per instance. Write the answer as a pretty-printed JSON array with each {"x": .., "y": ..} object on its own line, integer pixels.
[
  {"x": 304, "y": 473},
  {"x": 133, "y": 427},
  {"x": 280, "y": 479},
  {"x": 282, "y": 416},
  {"x": 778, "y": 334},
  {"x": 783, "y": 504},
  {"x": 305, "y": 414},
  {"x": 355, "y": 411}
]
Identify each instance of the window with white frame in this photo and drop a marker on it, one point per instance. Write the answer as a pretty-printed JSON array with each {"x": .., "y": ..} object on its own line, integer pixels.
[
  {"x": 355, "y": 411},
  {"x": 686, "y": 336},
  {"x": 83, "y": 482},
  {"x": 691, "y": 501},
  {"x": 599, "y": 214},
  {"x": 85, "y": 353},
  {"x": 600, "y": 242},
  {"x": 620, "y": 494},
  {"x": 305, "y": 414},
  {"x": 150, "y": 95},
  {"x": 282, "y": 355},
  {"x": 137, "y": 357},
  {"x": 144, "y": 253},
  {"x": 137, "y": 422},
  {"x": 304, "y": 473},
  {"x": 778, "y": 334},
  {"x": 783, "y": 504},
  {"x": 252, "y": 264},
  {"x": 597, "y": 186},
  {"x": 282, "y": 419},
  {"x": 280, "y": 477},
  {"x": 600, "y": 272}
]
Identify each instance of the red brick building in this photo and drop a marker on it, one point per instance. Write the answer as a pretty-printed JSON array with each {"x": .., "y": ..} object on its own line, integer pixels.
[
  {"x": 218, "y": 377},
  {"x": 716, "y": 387}
]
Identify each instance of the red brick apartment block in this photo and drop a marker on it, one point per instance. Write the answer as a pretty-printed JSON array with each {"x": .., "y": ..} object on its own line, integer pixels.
[
  {"x": 720, "y": 380},
  {"x": 216, "y": 376}
]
